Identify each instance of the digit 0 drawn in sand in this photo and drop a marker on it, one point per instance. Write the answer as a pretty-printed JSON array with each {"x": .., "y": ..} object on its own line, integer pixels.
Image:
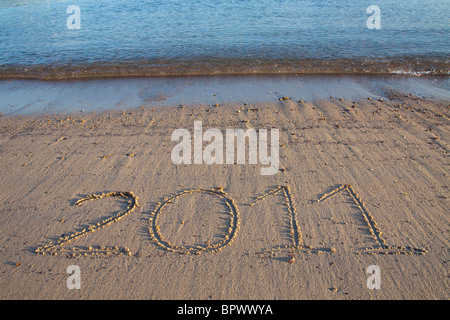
[
  {"x": 295, "y": 234},
  {"x": 376, "y": 233},
  {"x": 233, "y": 226},
  {"x": 55, "y": 248}
]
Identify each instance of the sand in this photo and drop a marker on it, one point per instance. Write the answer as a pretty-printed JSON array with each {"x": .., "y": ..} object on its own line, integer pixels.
[{"x": 361, "y": 183}]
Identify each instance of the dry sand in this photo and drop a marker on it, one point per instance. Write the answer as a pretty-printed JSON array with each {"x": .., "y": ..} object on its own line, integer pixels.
[{"x": 393, "y": 154}]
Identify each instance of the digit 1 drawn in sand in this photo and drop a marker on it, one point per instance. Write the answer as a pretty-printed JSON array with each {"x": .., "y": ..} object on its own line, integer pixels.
[
  {"x": 381, "y": 247},
  {"x": 233, "y": 227},
  {"x": 55, "y": 248},
  {"x": 295, "y": 233}
]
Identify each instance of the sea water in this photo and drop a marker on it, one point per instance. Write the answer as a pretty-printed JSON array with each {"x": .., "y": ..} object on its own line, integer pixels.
[{"x": 47, "y": 39}]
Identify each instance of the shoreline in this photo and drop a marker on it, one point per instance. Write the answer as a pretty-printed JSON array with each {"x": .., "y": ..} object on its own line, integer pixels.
[
  {"x": 381, "y": 66},
  {"x": 21, "y": 97}
]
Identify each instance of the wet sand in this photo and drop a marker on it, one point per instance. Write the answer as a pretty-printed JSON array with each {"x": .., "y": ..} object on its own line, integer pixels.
[
  {"x": 361, "y": 182},
  {"x": 24, "y": 97}
]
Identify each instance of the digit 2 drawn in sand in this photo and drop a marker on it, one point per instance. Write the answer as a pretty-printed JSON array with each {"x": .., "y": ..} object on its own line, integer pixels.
[
  {"x": 233, "y": 227},
  {"x": 55, "y": 248},
  {"x": 381, "y": 247}
]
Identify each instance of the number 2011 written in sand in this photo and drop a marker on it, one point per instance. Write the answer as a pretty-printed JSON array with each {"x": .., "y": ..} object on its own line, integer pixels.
[{"x": 297, "y": 244}]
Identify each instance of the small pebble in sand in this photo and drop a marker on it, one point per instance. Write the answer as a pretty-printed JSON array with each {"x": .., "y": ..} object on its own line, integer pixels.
[{"x": 291, "y": 258}]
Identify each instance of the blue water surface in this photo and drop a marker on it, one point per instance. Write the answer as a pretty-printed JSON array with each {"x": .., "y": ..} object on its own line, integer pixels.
[{"x": 35, "y": 32}]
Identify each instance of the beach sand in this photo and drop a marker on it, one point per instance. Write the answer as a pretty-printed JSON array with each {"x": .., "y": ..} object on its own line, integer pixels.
[{"x": 386, "y": 160}]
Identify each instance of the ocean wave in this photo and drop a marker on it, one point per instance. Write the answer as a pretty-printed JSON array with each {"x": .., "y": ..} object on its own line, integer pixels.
[{"x": 399, "y": 66}]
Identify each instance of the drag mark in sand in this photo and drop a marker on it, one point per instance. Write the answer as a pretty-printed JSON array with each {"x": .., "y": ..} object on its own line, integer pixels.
[
  {"x": 376, "y": 233},
  {"x": 233, "y": 227},
  {"x": 55, "y": 248}
]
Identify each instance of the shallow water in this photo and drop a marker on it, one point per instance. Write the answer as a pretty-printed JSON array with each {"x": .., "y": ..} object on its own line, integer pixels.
[{"x": 184, "y": 37}]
